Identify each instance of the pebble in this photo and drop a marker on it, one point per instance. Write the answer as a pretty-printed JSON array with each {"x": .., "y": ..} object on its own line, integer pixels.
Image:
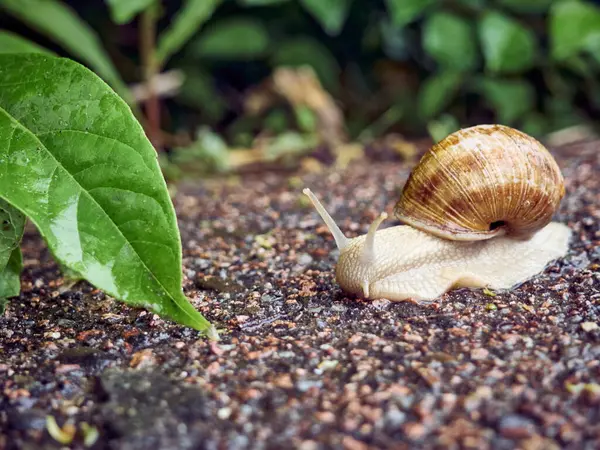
[
  {"x": 589, "y": 326},
  {"x": 516, "y": 427}
]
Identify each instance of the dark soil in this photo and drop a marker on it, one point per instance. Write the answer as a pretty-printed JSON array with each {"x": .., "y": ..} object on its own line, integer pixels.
[{"x": 300, "y": 364}]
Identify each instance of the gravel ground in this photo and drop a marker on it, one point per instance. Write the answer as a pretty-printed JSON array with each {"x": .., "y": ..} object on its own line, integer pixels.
[{"x": 300, "y": 364}]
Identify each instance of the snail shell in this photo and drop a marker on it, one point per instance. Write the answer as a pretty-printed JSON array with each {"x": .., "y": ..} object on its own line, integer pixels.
[{"x": 481, "y": 182}]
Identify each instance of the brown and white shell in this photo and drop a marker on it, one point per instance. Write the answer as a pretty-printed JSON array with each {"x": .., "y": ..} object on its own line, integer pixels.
[{"x": 481, "y": 182}]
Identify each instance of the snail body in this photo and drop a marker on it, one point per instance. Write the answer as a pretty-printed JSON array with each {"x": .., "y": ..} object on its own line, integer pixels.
[{"x": 447, "y": 244}]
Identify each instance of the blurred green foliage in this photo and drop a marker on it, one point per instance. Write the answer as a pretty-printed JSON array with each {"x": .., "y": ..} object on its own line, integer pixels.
[
  {"x": 532, "y": 64},
  {"x": 428, "y": 65}
]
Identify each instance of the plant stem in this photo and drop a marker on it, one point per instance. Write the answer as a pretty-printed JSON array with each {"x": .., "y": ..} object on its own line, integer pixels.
[{"x": 150, "y": 68}]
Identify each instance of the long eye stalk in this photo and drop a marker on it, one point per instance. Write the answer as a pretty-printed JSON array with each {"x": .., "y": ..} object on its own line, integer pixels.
[{"x": 340, "y": 240}]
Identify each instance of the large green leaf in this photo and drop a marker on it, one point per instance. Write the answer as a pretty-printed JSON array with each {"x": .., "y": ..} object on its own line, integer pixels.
[
  {"x": 459, "y": 52},
  {"x": 573, "y": 25},
  {"x": 405, "y": 11},
  {"x": 437, "y": 93},
  {"x": 123, "y": 11},
  {"x": 331, "y": 14},
  {"x": 508, "y": 46},
  {"x": 77, "y": 163},
  {"x": 60, "y": 23},
  {"x": 188, "y": 20},
  {"x": 13, "y": 43},
  {"x": 235, "y": 38},
  {"x": 510, "y": 99}
]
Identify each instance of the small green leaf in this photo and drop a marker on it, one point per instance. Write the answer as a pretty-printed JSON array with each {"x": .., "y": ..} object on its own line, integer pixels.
[
  {"x": 437, "y": 93},
  {"x": 510, "y": 99},
  {"x": 12, "y": 226},
  {"x": 60, "y": 23},
  {"x": 123, "y": 11},
  {"x": 10, "y": 276},
  {"x": 489, "y": 292},
  {"x": 459, "y": 52},
  {"x": 572, "y": 25},
  {"x": 404, "y": 12},
  {"x": 188, "y": 20},
  {"x": 77, "y": 163},
  {"x": 508, "y": 46},
  {"x": 235, "y": 38},
  {"x": 13, "y": 43},
  {"x": 305, "y": 51},
  {"x": 331, "y": 14},
  {"x": 306, "y": 118},
  {"x": 207, "y": 154}
]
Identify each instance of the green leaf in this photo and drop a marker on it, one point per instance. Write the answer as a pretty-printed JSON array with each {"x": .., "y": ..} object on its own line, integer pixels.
[
  {"x": 404, "y": 12},
  {"x": 12, "y": 226},
  {"x": 10, "y": 278},
  {"x": 13, "y": 43},
  {"x": 510, "y": 99},
  {"x": 209, "y": 152},
  {"x": 459, "y": 52},
  {"x": 437, "y": 93},
  {"x": 235, "y": 38},
  {"x": 526, "y": 6},
  {"x": 331, "y": 14},
  {"x": 572, "y": 26},
  {"x": 188, "y": 20},
  {"x": 123, "y": 11},
  {"x": 507, "y": 45},
  {"x": 77, "y": 163},
  {"x": 305, "y": 51},
  {"x": 60, "y": 23}
]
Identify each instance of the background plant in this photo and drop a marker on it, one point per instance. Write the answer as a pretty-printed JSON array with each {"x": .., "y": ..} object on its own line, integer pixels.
[{"x": 395, "y": 65}]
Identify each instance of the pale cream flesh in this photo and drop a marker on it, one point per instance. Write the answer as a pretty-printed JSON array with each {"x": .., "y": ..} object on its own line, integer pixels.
[{"x": 401, "y": 262}]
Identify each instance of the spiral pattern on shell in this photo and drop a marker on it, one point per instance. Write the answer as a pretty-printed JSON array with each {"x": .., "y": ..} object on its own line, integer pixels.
[{"x": 481, "y": 182}]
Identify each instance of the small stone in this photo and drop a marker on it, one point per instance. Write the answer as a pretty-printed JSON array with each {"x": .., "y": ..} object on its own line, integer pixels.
[
  {"x": 479, "y": 353},
  {"x": 589, "y": 326},
  {"x": 224, "y": 413},
  {"x": 414, "y": 431},
  {"x": 142, "y": 359},
  {"x": 394, "y": 418},
  {"x": 305, "y": 259},
  {"x": 516, "y": 427}
]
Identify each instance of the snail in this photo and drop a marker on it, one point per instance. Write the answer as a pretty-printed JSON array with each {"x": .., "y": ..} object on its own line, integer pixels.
[{"x": 477, "y": 213}]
